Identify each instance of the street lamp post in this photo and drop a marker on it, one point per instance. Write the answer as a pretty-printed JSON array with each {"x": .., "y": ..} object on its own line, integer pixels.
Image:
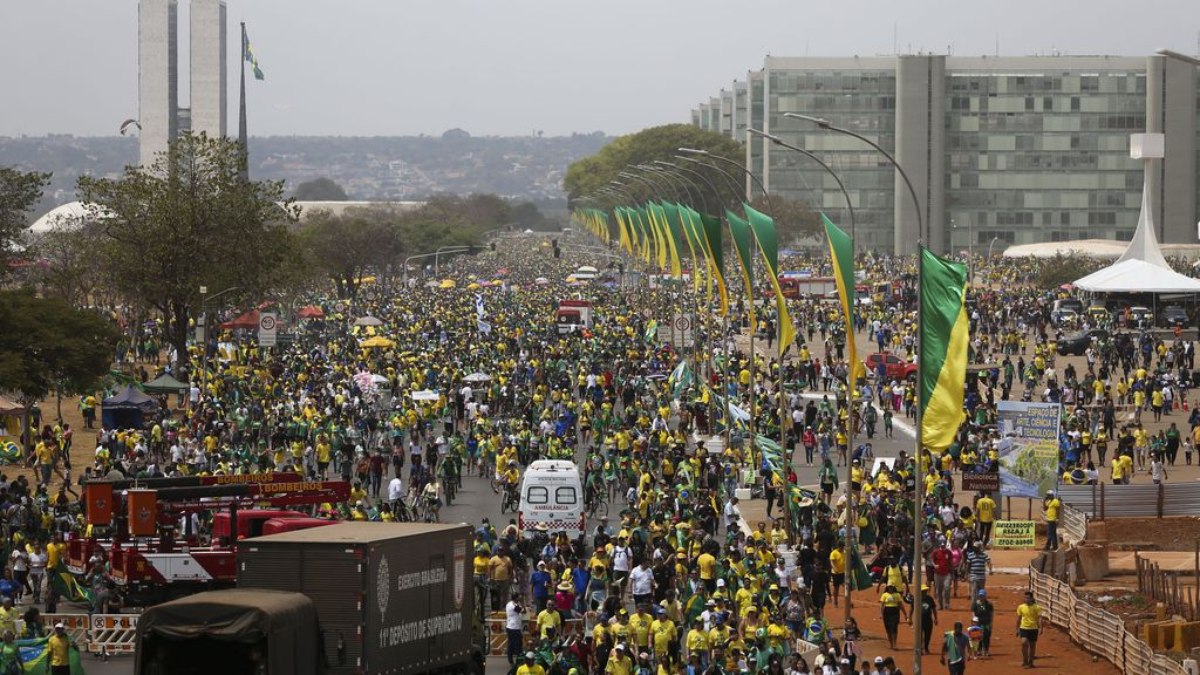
[
  {"x": 990, "y": 244},
  {"x": 918, "y": 564},
  {"x": 849, "y": 543}
]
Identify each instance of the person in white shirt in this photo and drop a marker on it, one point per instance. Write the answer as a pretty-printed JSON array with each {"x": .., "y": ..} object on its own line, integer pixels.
[
  {"x": 514, "y": 622},
  {"x": 395, "y": 491},
  {"x": 642, "y": 584},
  {"x": 622, "y": 560},
  {"x": 732, "y": 513}
]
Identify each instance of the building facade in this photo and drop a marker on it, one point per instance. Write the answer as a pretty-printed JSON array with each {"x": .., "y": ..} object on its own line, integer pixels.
[
  {"x": 160, "y": 116},
  {"x": 999, "y": 151}
]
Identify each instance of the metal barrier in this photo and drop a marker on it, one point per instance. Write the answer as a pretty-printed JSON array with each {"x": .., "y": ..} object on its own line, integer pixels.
[
  {"x": 1100, "y": 632},
  {"x": 1141, "y": 500}
]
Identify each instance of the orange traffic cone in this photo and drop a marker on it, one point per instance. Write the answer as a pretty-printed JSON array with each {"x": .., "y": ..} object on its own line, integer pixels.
[{"x": 1185, "y": 406}]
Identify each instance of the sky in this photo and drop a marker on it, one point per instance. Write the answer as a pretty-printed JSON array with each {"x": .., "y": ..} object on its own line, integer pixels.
[{"x": 510, "y": 67}]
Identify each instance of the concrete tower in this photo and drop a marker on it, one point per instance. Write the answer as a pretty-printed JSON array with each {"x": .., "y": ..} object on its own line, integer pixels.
[
  {"x": 159, "y": 113},
  {"x": 208, "y": 53},
  {"x": 158, "y": 83}
]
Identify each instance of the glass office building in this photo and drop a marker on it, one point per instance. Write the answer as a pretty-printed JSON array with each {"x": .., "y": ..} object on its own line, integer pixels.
[{"x": 1000, "y": 151}]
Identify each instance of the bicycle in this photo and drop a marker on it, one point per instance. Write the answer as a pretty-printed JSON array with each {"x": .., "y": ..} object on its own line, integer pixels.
[
  {"x": 597, "y": 506},
  {"x": 511, "y": 501}
]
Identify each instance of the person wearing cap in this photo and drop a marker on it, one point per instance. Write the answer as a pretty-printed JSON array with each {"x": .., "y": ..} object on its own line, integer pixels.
[
  {"x": 619, "y": 662},
  {"x": 1050, "y": 508},
  {"x": 929, "y": 616},
  {"x": 664, "y": 638},
  {"x": 639, "y": 627},
  {"x": 530, "y": 666},
  {"x": 984, "y": 611},
  {"x": 539, "y": 585},
  {"x": 59, "y": 647}
]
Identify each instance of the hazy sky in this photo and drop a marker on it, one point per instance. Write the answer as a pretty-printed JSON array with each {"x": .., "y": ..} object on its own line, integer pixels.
[{"x": 398, "y": 67}]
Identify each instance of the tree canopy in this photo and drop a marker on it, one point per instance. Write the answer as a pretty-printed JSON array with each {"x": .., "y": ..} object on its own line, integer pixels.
[
  {"x": 188, "y": 221},
  {"x": 585, "y": 176},
  {"x": 320, "y": 190},
  {"x": 19, "y": 191},
  {"x": 49, "y": 345}
]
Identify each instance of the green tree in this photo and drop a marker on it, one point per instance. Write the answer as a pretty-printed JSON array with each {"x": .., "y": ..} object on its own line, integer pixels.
[
  {"x": 19, "y": 192},
  {"x": 320, "y": 190},
  {"x": 188, "y": 221},
  {"x": 68, "y": 256},
  {"x": 589, "y": 174},
  {"x": 345, "y": 246},
  {"x": 48, "y": 345},
  {"x": 527, "y": 215}
]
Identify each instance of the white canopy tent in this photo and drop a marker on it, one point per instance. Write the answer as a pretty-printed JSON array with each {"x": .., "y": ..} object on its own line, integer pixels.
[{"x": 1142, "y": 267}]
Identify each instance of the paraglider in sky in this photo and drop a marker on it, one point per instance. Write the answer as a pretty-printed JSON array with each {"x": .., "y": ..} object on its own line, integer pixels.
[{"x": 129, "y": 123}]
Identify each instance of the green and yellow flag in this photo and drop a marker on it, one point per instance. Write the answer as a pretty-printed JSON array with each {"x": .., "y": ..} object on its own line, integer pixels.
[
  {"x": 944, "y": 337},
  {"x": 768, "y": 245},
  {"x": 711, "y": 229},
  {"x": 739, "y": 231},
  {"x": 841, "y": 252}
]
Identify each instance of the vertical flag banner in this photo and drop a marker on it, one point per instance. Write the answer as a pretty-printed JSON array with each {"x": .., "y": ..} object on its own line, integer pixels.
[
  {"x": 248, "y": 55},
  {"x": 740, "y": 233},
  {"x": 841, "y": 252},
  {"x": 711, "y": 227},
  {"x": 669, "y": 218},
  {"x": 768, "y": 244},
  {"x": 942, "y": 361}
]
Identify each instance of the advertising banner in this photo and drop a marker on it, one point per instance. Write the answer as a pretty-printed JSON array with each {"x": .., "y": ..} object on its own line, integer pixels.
[
  {"x": 1028, "y": 447},
  {"x": 1013, "y": 534}
]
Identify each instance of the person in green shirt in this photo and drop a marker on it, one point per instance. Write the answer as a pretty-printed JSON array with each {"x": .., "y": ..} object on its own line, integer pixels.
[{"x": 10, "y": 655}]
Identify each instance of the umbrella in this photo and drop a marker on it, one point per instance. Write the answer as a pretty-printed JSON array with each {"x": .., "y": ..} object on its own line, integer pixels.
[
  {"x": 379, "y": 379},
  {"x": 432, "y": 284},
  {"x": 367, "y": 321},
  {"x": 472, "y": 286},
  {"x": 448, "y": 283},
  {"x": 588, "y": 269},
  {"x": 425, "y": 395},
  {"x": 310, "y": 312},
  {"x": 377, "y": 342},
  {"x": 478, "y": 377},
  {"x": 541, "y": 281}
]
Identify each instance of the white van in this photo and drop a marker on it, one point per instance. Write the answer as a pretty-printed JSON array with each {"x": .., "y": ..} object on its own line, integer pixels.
[{"x": 551, "y": 494}]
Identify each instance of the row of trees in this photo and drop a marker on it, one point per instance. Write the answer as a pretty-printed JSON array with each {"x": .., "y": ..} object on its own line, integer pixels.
[
  {"x": 707, "y": 184},
  {"x": 155, "y": 236}
]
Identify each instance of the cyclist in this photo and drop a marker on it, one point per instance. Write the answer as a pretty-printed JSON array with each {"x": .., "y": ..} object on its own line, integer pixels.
[{"x": 432, "y": 494}]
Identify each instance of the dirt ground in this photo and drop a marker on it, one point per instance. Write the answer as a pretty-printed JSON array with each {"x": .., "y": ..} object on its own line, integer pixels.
[{"x": 1055, "y": 652}]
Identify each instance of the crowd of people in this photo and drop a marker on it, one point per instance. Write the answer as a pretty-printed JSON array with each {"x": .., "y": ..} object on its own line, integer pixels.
[{"x": 409, "y": 387}]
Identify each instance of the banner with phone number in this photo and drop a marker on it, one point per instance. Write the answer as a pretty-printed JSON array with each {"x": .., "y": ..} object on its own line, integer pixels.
[{"x": 1013, "y": 534}]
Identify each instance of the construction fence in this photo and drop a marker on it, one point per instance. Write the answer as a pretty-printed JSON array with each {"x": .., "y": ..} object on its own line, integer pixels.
[
  {"x": 1144, "y": 500},
  {"x": 1096, "y": 630}
]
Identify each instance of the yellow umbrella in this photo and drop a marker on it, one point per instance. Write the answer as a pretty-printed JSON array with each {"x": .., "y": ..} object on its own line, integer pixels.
[
  {"x": 472, "y": 286},
  {"x": 448, "y": 283},
  {"x": 377, "y": 342}
]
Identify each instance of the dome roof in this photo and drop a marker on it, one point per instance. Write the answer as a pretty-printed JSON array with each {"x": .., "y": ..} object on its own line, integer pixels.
[{"x": 66, "y": 216}]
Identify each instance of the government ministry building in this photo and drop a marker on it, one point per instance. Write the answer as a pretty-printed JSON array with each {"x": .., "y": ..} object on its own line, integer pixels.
[{"x": 1000, "y": 150}]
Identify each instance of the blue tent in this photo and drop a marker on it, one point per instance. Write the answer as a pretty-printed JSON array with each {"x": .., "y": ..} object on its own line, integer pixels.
[{"x": 126, "y": 408}]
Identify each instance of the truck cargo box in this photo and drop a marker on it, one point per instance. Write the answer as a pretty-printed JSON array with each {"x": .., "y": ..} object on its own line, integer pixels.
[{"x": 390, "y": 597}]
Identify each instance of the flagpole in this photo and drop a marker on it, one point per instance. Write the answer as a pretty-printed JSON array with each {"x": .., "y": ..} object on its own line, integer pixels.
[
  {"x": 918, "y": 482},
  {"x": 245, "y": 172}
]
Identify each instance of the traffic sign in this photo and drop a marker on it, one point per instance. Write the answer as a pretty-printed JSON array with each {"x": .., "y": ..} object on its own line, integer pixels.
[{"x": 268, "y": 323}]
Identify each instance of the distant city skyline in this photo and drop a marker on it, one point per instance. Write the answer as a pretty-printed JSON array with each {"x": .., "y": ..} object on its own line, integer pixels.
[{"x": 378, "y": 67}]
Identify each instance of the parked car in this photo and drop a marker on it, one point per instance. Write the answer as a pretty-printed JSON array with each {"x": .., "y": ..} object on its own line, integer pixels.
[
  {"x": 1073, "y": 304},
  {"x": 896, "y": 367},
  {"x": 1139, "y": 317},
  {"x": 1076, "y": 344},
  {"x": 1098, "y": 314},
  {"x": 1064, "y": 317},
  {"x": 1175, "y": 316}
]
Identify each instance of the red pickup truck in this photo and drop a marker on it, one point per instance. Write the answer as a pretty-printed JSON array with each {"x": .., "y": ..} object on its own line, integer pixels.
[{"x": 897, "y": 368}]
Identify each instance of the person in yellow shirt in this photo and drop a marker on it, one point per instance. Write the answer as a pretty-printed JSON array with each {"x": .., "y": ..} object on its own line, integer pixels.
[
  {"x": 662, "y": 635},
  {"x": 530, "y": 666},
  {"x": 707, "y": 564},
  {"x": 59, "y": 646},
  {"x": 549, "y": 622},
  {"x": 837, "y": 569},
  {"x": 619, "y": 663},
  {"x": 892, "y": 605},
  {"x": 1029, "y": 627},
  {"x": 696, "y": 641},
  {"x": 985, "y": 510},
  {"x": 1051, "y": 506}
]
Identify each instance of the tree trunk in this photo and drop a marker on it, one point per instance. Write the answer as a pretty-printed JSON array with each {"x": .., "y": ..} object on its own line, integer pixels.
[{"x": 179, "y": 318}]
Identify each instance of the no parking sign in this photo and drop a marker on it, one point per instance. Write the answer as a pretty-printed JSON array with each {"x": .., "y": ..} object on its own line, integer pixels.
[{"x": 268, "y": 322}]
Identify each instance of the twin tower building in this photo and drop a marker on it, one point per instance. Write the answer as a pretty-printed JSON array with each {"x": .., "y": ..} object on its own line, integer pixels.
[{"x": 159, "y": 113}]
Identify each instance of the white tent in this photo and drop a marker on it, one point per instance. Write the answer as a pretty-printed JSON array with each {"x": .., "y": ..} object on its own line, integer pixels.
[{"x": 1141, "y": 268}]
